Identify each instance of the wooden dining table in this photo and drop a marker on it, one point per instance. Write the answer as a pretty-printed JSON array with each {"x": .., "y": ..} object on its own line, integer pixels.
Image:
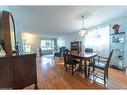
[{"x": 83, "y": 58}]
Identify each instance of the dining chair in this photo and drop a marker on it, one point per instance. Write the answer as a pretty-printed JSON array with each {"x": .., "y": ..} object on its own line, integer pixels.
[
  {"x": 70, "y": 62},
  {"x": 100, "y": 66},
  {"x": 89, "y": 50}
]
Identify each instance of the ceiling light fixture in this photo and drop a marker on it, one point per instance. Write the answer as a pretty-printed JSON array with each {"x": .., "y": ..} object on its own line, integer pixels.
[{"x": 83, "y": 30}]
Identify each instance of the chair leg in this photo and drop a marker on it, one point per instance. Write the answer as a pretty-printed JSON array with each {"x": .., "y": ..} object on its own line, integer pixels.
[
  {"x": 104, "y": 77},
  {"x": 65, "y": 67},
  {"x": 89, "y": 71},
  {"x": 107, "y": 74},
  {"x": 93, "y": 69},
  {"x": 80, "y": 65},
  {"x": 72, "y": 69},
  {"x": 85, "y": 68}
]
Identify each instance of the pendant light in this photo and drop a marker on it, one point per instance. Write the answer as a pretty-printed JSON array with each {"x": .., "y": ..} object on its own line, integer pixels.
[{"x": 83, "y": 30}]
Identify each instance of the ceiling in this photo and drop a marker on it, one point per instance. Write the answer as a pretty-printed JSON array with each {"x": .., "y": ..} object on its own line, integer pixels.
[{"x": 53, "y": 21}]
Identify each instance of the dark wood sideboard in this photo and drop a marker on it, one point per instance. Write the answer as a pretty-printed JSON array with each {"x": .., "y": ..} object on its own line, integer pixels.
[{"x": 18, "y": 72}]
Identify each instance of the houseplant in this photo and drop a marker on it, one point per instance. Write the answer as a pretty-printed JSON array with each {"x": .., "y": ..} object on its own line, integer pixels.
[
  {"x": 1, "y": 43},
  {"x": 116, "y": 28},
  {"x": 2, "y": 52}
]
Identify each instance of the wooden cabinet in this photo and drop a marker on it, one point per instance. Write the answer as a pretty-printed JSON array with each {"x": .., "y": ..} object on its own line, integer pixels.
[
  {"x": 17, "y": 72},
  {"x": 76, "y": 46}
]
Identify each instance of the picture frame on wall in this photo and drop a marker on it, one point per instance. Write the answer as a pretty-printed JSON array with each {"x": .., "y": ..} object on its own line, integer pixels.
[{"x": 116, "y": 39}]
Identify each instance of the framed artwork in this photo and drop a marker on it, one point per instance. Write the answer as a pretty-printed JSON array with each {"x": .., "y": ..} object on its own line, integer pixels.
[{"x": 116, "y": 39}]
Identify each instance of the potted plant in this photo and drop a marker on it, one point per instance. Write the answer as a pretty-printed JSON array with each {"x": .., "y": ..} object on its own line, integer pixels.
[
  {"x": 1, "y": 43},
  {"x": 2, "y": 52},
  {"x": 116, "y": 28}
]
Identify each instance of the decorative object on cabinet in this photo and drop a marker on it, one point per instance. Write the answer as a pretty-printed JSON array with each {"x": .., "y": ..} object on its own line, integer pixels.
[
  {"x": 2, "y": 52},
  {"x": 2, "y": 44},
  {"x": 117, "y": 44},
  {"x": 76, "y": 46}
]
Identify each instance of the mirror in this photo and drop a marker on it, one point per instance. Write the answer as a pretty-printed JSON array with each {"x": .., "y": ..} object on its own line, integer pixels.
[
  {"x": 8, "y": 32},
  {"x": 0, "y": 27},
  {"x": 1, "y": 41},
  {"x": 12, "y": 34}
]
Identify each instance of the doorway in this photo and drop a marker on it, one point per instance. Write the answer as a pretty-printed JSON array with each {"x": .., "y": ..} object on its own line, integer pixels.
[{"x": 47, "y": 46}]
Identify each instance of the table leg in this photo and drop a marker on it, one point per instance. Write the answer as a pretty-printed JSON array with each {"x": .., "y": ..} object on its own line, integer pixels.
[
  {"x": 36, "y": 86},
  {"x": 85, "y": 68},
  {"x": 80, "y": 64}
]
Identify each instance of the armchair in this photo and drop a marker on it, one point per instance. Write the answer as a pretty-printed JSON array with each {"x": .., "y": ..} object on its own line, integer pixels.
[
  {"x": 89, "y": 50},
  {"x": 60, "y": 53}
]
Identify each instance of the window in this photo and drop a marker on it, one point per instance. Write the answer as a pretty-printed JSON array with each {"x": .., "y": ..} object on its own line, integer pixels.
[{"x": 47, "y": 44}]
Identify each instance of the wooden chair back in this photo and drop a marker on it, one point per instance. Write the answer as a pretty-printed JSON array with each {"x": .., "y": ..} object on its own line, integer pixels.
[{"x": 109, "y": 59}]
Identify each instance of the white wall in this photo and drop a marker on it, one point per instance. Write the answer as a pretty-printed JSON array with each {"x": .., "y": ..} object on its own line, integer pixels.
[
  {"x": 32, "y": 40},
  {"x": 19, "y": 33},
  {"x": 66, "y": 39}
]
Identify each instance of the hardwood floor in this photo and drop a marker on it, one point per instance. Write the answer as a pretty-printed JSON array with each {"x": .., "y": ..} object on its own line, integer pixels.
[{"x": 51, "y": 75}]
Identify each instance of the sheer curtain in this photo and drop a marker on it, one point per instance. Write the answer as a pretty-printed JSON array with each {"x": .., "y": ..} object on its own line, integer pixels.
[{"x": 98, "y": 40}]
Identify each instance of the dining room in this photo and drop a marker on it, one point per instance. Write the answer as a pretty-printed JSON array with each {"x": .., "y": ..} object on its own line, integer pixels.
[
  {"x": 80, "y": 47},
  {"x": 73, "y": 64},
  {"x": 95, "y": 47}
]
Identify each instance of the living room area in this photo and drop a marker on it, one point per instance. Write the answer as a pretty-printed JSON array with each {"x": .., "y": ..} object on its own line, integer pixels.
[{"x": 63, "y": 40}]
